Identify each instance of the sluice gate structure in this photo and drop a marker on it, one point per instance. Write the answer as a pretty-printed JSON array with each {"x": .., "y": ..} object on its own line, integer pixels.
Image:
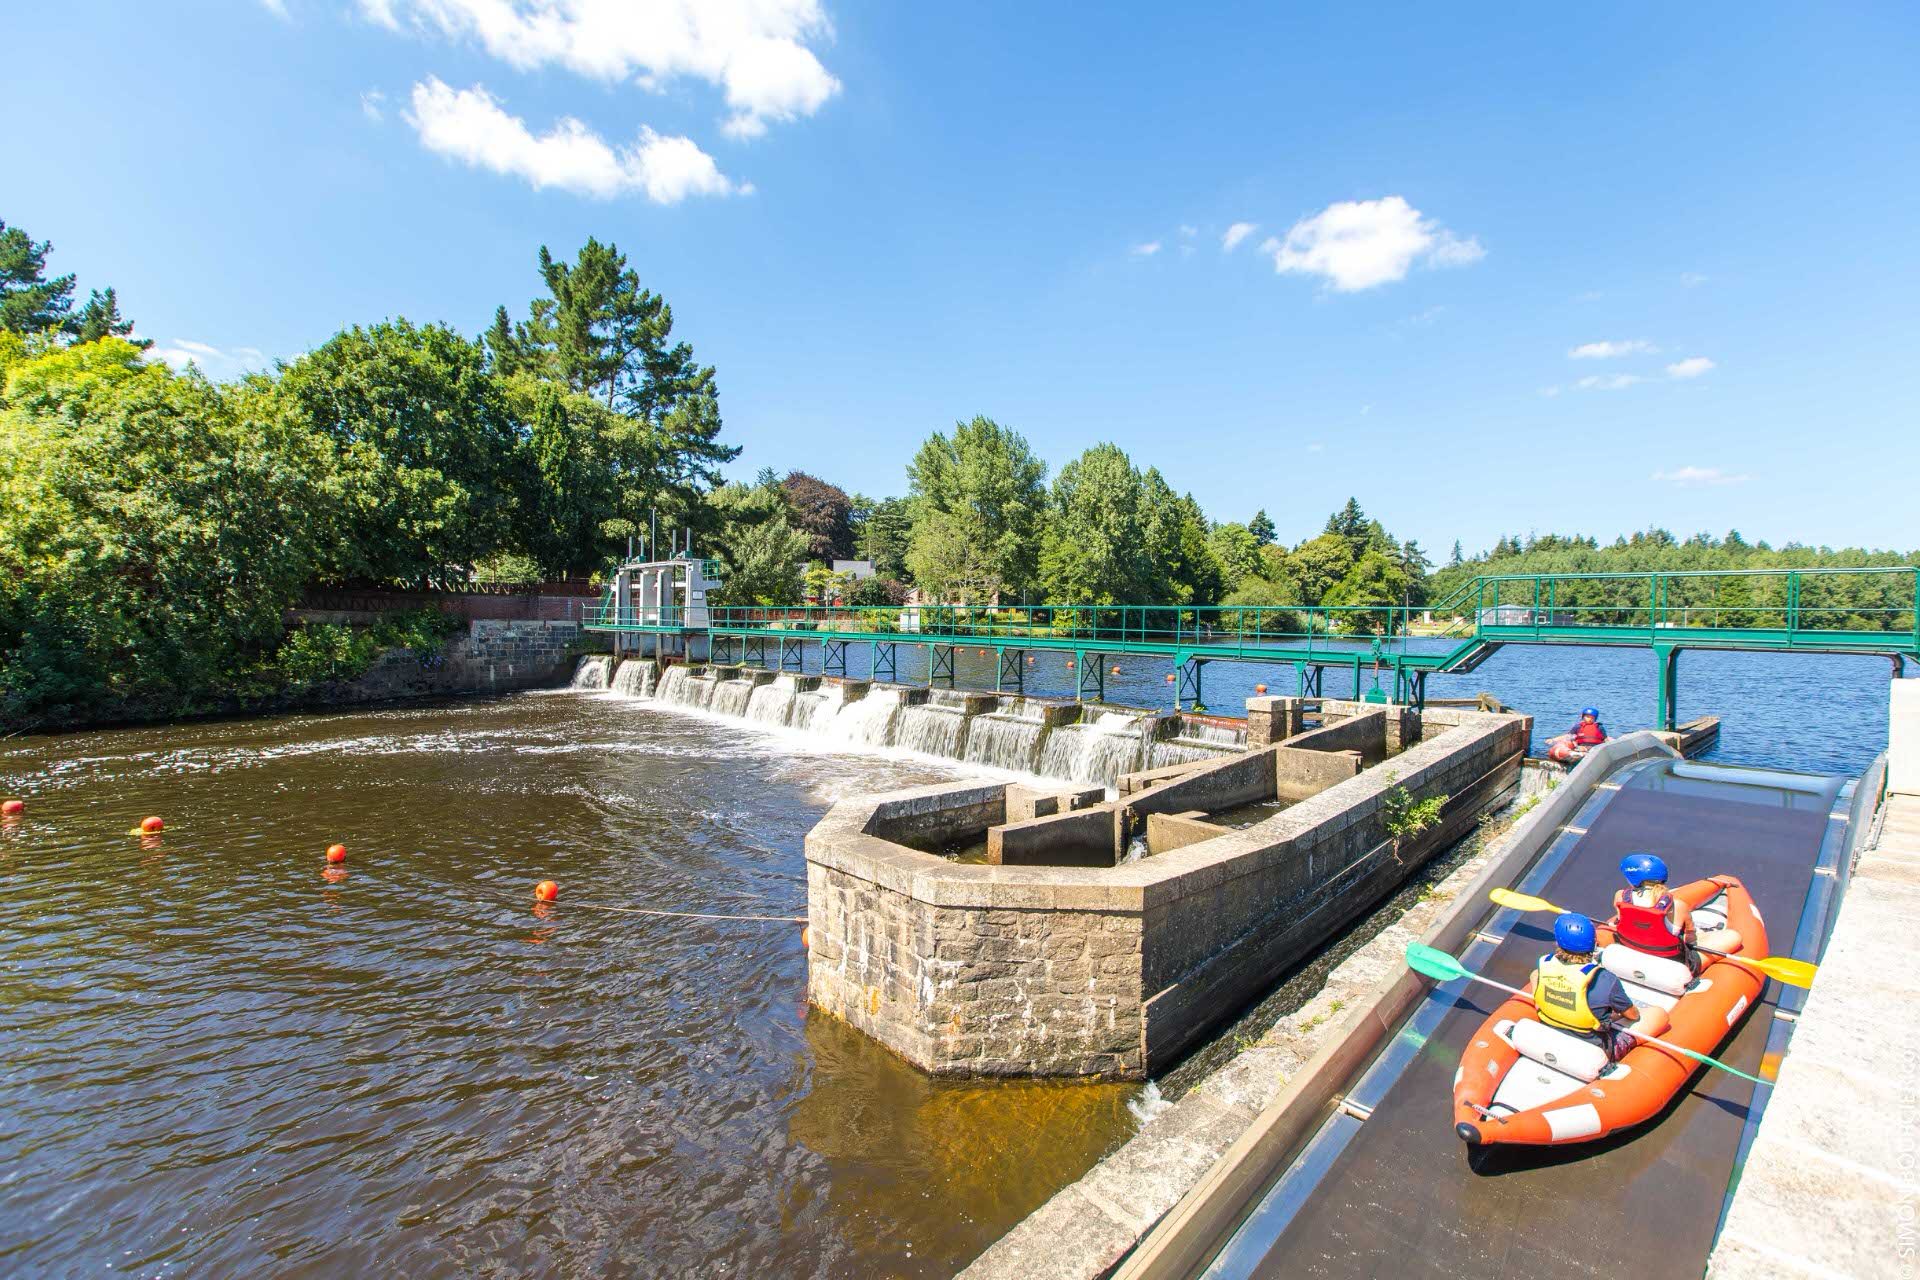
[{"x": 1869, "y": 610}]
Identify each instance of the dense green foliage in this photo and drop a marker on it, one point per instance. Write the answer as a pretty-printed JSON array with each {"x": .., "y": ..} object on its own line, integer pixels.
[
  {"x": 978, "y": 501},
  {"x": 157, "y": 527}
]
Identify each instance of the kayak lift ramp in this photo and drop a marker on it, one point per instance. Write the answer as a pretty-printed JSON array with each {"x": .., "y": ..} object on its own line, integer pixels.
[{"x": 1384, "y": 1188}]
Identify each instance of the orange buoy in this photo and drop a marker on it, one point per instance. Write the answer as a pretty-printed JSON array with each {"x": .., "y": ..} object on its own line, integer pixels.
[
  {"x": 1069, "y": 664},
  {"x": 1029, "y": 661},
  {"x": 806, "y": 942},
  {"x": 12, "y": 808},
  {"x": 151, "y": 826},
  {"x": 336, "y": 853},
  {"x": 1259, "y": 688},
  {"x": 1169, "y": 677},
  {"x": 1116, "y": 671},
  {"x": 546, "y": 891}
]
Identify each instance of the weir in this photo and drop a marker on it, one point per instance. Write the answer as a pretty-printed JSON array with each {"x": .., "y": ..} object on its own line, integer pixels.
[{"x": 1046, "y": 738}]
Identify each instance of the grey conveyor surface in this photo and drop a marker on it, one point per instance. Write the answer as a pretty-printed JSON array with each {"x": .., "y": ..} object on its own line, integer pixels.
[{"x": 1405, "y": 1198}]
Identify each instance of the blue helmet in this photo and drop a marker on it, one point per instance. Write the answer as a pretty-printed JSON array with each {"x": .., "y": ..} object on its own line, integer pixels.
[
  {"x": 1573, "y": 932},
  {"x": 1639, "y": 868},
  {"x": 1590, "y": 711}
]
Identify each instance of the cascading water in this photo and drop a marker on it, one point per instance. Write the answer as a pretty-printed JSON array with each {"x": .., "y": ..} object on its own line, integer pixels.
[
  {"x": 1007, "y": 738},
  {"x": 936, "y": 727},
  {"x": 866, "y": 722},
  {"x": 1018, "y": 735},
  {"x": 592, "y": 673},
  {"x": 730, "y": 697},
  {"x": 1198, "y": 740},
  {"x": 1097, "y": 750},
  {"x": 635, "y": 677},
  {"x": 773, "y": 704},
  {"x": 679, "y": 687}
]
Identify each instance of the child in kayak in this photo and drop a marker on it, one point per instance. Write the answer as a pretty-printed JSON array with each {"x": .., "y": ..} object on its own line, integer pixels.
[
  {"x": 1572, "y": 993},
  {"x": 1585, "y": 735},
  {"x": 1648, "y": 918}
]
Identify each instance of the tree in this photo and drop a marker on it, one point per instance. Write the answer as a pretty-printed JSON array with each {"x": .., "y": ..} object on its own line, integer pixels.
[
  {"x": 1373, "y": 581},
  {"x": 882, "y": 529},
  {"x": 153, "y": 533},
  {"x": 562, "y": 512},
  {"x": 29, "y": 302},
  {"x": 600, "y": 334},
  {"x": 1096, "y": 537},
  {"x": 1351, "y": 523},
  {"x": 823, "y": 513},
  {"x": 1261, "y": 528},
  {"x": 977, "y": 500},
  {"x": 762, "y": 554},
  {"x": 421, "y": 441},
  {"x": 101, "y": 318},
  {"x": 1320, "y": 563},
  {"x": 1237, "y": 549},
  {"x": 1456, "y": 559}
]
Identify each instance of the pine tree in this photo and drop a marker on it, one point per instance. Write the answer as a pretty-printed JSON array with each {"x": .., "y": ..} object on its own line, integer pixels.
[
  {"x": 100, "y": 318},
  {"x": 1457, "y": 559},
  {"x": 29, "y": 302},
  {"x": 1261, "y": 527}
]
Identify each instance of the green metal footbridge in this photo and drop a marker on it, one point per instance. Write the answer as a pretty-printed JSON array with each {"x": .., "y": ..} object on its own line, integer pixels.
[{"x": 1870, "y": 610}]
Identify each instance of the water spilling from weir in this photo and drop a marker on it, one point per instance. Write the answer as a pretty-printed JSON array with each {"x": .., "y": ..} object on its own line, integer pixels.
[{"x": 1045, "y": 737}]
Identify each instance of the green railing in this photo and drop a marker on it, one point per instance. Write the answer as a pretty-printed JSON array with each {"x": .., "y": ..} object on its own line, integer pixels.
[{"x": 1865, "y": 609}]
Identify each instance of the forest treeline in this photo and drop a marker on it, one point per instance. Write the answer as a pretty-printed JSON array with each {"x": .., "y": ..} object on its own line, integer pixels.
[{"x": 156, "y": 526}]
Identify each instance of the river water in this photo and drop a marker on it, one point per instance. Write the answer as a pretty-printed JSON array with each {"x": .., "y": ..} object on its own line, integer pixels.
[{"x": 220, "y": 1059}]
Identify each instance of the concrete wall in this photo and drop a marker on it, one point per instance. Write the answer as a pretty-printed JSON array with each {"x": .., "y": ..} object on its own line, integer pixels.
[
  {"x": 1084, "y": 839},
  {"x": 1110, "y": 971},
  {"x": 1299, "y": 773},
  {"x": 490, "y": 657},
  {"x": 1903, "y": 737}
]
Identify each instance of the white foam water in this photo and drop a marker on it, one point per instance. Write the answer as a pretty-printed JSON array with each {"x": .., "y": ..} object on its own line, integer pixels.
[{"x": 594, "y": 672}]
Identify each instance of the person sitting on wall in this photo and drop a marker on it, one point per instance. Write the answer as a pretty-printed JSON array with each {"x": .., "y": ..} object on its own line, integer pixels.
[
  {"x": 1648, "y": 918},
  {"x": 1572, "y": 993}
]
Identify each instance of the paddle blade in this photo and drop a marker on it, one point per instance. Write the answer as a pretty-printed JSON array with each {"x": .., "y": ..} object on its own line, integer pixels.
[
  {"x": 1434, "y": 963},
  {"x": 1795, "y": 973},
  {"x": 1521, "y": 901}
]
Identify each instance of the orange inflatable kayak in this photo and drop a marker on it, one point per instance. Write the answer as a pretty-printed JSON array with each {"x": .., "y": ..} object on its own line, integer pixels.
[{"x": 1524, "y": 1082}]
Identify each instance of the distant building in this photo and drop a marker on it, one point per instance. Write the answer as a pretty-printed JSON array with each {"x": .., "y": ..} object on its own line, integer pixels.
[{"x": 858, "y": 570}]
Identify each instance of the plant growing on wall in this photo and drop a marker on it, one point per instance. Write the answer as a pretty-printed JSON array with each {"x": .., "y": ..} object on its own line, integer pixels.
[{"x": 1406, "y": 816}]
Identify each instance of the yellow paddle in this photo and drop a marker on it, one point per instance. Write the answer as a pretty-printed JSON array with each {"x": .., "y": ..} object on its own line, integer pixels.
[{"x": 1795, "y": 973}]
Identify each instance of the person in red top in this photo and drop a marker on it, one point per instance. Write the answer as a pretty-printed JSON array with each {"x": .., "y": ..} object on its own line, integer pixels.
[
  {"x": 1648, "y": 918},
  {"x": 1588, "y": 732}
]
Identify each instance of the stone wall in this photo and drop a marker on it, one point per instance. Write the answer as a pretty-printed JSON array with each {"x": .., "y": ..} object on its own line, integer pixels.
[
  {"x": 1046, "y": 970},
  {"x": 489, "y": 657}
]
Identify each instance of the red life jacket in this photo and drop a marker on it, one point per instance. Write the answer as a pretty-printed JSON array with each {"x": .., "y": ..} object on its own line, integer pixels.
[
  {"x": 1647, "y": 928},
  {"x": 1588, "y": 733}
]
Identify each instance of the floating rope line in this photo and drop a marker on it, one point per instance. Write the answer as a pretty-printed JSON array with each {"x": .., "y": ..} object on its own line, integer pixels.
[{"x": 686, "y": 915}]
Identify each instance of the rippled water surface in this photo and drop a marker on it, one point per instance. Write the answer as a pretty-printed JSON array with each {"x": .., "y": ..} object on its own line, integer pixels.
[{"x": 216, "y": 1059}]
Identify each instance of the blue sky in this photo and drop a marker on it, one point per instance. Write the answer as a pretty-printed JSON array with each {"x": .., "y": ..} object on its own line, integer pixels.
[{"x": 878, "y": 218}]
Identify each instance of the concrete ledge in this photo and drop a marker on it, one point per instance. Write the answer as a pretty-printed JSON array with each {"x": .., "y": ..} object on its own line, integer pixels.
[{"x": 1831, "y": 1184}]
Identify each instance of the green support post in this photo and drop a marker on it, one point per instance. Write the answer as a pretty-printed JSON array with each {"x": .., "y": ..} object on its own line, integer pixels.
[{"x": 1666, "y": 659}]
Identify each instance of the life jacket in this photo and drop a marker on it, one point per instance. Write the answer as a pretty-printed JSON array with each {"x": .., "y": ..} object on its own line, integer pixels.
[
  {"x": 1589, "y": 734},
  {"x": 1647, "y": 929},
  {"x": 1560, "y": 994}
]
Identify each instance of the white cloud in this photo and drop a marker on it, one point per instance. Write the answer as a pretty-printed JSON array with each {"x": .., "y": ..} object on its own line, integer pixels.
[
  {"x": 1699, "y": 477},
  {"x": 1188, "y": 232},
  {"x": 1359, "y": 244},
  {"x": 278, "y": 8},
  {"x": 1146, "y": 250},
  {"x": 1692, "y": 279},
  {"x": 211, "y": 360},
  {"x": 373, "y": 105},
  {"x": 755, "y": 51},
  {"x": 1235, "y": 234},
  {"x": 1611, "y": 382},
  {"x": 1316, "y": 447},
  {"x": 470, "y": 125},
  {"x": 1612, "y": 350},
  {"x": 1550, "y": 392},
  {"x": 1691, "y": 367}
]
